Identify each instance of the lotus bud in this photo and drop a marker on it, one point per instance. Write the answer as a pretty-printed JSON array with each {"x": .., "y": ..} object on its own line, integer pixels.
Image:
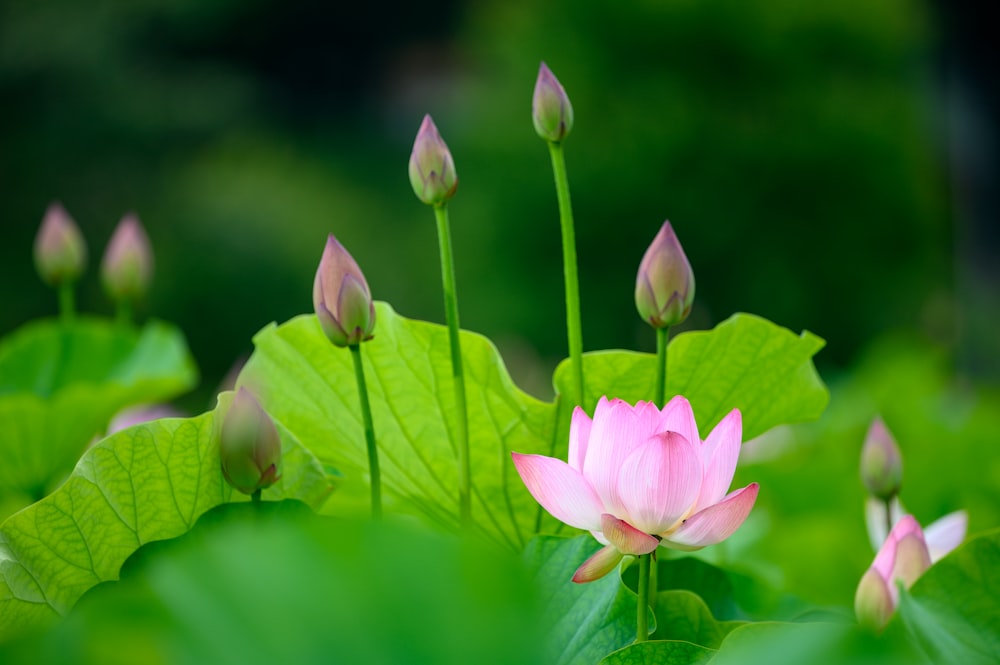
[
  {"x": 902, "y": 559},
  {"x": 664, "y": 286},
  {"x": 551, "y": 110},
  {"x": 127, "y": 266},
  {"x": 249, "y": 445},
  {"x": 60, "y": 251},
  {"x": 341, "y": 297},
  {"x": 432, "y": 171},
  {"x": 881, "y": 462}
]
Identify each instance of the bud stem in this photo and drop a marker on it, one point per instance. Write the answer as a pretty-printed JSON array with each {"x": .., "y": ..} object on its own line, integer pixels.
[
  {"x": 451, "y": 314},
  {"x": 573, "y": 326},
  {"x": 888, "y": 516},
  {"x": 255, "y": 498},
  {"x": 366, "y": 415},
  {"x": 661, "y": 366},
  {"x": 123, "y": 313},
  {"x": 642, "y": 608},
  {"x": 67, "y": 301}
]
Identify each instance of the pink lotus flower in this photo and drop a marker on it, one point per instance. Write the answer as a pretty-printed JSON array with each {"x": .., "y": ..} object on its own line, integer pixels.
[
  {"x": 639, "y": 477},
  {"x": 903, "y": 557}
]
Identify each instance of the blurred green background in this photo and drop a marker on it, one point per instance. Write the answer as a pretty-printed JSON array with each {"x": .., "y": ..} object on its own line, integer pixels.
[{"x": 805, "y": 153}]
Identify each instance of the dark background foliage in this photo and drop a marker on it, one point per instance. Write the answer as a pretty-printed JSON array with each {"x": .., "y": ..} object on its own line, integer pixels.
[{"x": 827, "y": 165}]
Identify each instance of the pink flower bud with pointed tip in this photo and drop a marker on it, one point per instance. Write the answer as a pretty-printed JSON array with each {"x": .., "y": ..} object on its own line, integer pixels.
[
  {"x": 639, "y": 477},
  {"x": 903, "y": 558},
  {"x": 249, "y": 445},
  {"x": 551, "y": 110},
  {"x": 664, "y": 286},
  {"x": 881, "y": 462},
  {"x": 432, "y": 170},
  {"x": 60, "y": 251},
  {"x": 127, "y": 266},
  {"x": 341, "y": 297}
]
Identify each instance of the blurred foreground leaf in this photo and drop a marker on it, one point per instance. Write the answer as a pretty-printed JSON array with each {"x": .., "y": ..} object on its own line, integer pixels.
[
  {"x": 282, "y": 586},
  {"x": 61, "y": 384},
  {"x": 145, "y": 483}
]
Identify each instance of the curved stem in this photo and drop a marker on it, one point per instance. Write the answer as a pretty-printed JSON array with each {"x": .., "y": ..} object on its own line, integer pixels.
[
  {"x": 451, "y": 315},
  {"x": 573, "y": 326},
  {"x": 642, "y": 609},
  {"x": 661, "y": 366},
  {"x": 366, "y": 415},
  {"x": 67, "y": 302}
]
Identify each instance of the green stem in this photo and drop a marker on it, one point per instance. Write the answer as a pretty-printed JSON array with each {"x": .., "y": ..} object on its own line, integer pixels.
[
  {"x": 67, "y": 302},
  {"x": 123, "y": 313},
  {"x": 573, "y": 327},
  {"x": 888, "y": 516},
  {"x": 255, "y": 498},
  {"x": 661, "y": 365},
  {"x": 642, "y": 610},
  {"x": 451, "y": 315},
  {"x": 654, "y": 574},
  {"x": 366, "y": 414}
]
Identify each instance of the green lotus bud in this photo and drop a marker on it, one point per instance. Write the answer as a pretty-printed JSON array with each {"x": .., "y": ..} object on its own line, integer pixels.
[
  {"x": 249, "y": 445},
  {"x": 341, "y": 297},
  {"x": 881, "y": 462},
  {"x": 127, "y": 266},
  {"x": 664, "y": 286},
  {"x": 432, "y": 171},
  {"x": 60, "y": 251},
  {"x": 551, "y": 110}
]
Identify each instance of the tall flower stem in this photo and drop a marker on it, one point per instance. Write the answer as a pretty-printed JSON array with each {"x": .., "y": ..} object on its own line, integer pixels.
[
  {"x": 366, "y": 414},
  {"x": 888, "y": 516},
  {"x": 451, "y": 315},
  {"x": 573, "y": 327},
  {"x": 661, "y": 366},
  {"x": 67, "y": 301},
  {"x": 642, "y": 610}
]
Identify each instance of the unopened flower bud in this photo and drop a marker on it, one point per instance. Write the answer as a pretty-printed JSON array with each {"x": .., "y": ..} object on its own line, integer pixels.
[
  {"x": 341, "y": 297},
  {"x": 903, "y": 558},
  {"x": 60, "y": 251},
  {"x": 432, "y": 171},
  {"x": 249, "y": 445},
  {"x": 664, "y": 286},
  {"x": 551, "y": 110},
  {"x": 881, "y": 462},
  {"x": 127, "y": 266}
]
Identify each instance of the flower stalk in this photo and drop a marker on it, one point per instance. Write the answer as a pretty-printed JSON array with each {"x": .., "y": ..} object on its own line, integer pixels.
[
  {"x": 570, "y": 275},
  {"x": 662, "y": 335},
  {"x": 451, "y": 316},
  {"x": 366, "y": 415},
  {"x": 642, "y": 610}
]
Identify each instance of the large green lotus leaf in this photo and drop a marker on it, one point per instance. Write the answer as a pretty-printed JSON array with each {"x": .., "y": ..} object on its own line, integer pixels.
[
  {"x": 61, "y": 384},
  {"x": 309, "y": 385},
  {"x": 953, "y": 610},
  {"x": 745, "y": 362},
  {"x": 145, "y": 483},
  {"x": 583, "y": 622}
]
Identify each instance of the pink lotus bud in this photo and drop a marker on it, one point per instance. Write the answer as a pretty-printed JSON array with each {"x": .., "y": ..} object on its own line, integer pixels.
[
  {"x": 60, "y": 252},
  {"x": 881, "y": 462},
  {"x": 432, "y": 171},
  {"x": 341, "y": 297},
  {"x": 903, "y": 558},
  {"x": 664, "y": 287},
  {"x": 551, "y": 110},
  {"x": 127, "y": 266},
  {"x": 249, "y": 445}
]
